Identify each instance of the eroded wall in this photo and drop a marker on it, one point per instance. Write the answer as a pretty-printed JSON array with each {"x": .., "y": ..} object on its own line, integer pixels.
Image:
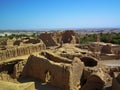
[
  {"x": 21, "y": 51},
  {"x": 63, "y": 75}
]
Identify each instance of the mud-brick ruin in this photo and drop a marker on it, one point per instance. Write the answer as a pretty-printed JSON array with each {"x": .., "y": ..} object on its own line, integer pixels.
[
  {"x": 57, "y": 61},
  {"x": 60, "y": 72}
]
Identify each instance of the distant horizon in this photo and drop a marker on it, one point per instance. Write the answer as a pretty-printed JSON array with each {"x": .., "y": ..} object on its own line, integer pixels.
[
  {"x": 46, "y": 29},
  {"x": 58, "y": 14}
]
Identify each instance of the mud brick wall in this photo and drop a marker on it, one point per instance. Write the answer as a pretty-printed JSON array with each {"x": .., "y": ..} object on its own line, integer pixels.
[
  {"x": 116, "y": 83},
  {"x": 21, "y": 50},
  {"x": 64, "y": 75},
  {"x": 48, "y": 39},
  {"x": 70, "y": 36}
]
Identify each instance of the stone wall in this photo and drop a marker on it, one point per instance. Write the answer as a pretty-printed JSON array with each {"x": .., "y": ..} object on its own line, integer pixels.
[
  {"x": 64, "y": 75},
  {"x": 21, "y": 50}
]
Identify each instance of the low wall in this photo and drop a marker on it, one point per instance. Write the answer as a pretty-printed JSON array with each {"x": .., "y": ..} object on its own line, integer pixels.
[
  {"x": 21, "y": 50},
  {"x": 109, "y": 57}
]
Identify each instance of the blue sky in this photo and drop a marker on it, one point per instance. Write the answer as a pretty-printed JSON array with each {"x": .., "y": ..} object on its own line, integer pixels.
[{"x": 52, "y": 14}]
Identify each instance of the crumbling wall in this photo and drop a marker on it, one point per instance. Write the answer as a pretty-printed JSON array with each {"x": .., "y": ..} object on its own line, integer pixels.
[
  {"x": 18, "y": 68},
  {"x": 7, "y": 69},
  {"x": 48, "y": 39},
  {"x": 63, "y": 75},
  {"x": 109, "y": 52},
  {"x": 76, "y": 74},
  {"x": 71, "y": 56},
  {"x": 10, "y": 42},
  {"x": 109, "y": 57},
  {"x": 96, "y": 78},
  {"x": 21, "y": 50},
  {"x": 3, "y": 41},
  {"x": 107, "y": 49},
  {"x": 116, "y": 50},
  {"x": 8, "y": 66},
  {"x": 94, "y": 48},
  {"x": 55, "y": 58},
  {"x": 31, "y": 40},
  {"x": 114, "y": 71},
  {"x": 17, "y": 42},
  {"x": 69, "y": 36},
  {"x": 116, "y": 83},
  {"x": 94, "y": 82},
  {"x": 55, "y": 38},
  {"x": 24, "y": 40}
]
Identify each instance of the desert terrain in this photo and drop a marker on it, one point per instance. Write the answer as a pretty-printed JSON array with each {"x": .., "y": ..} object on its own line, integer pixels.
[{"x": 60, "y": 60}]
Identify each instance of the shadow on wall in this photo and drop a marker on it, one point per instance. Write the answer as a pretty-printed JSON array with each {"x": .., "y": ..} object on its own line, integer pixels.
[{"x": 38, "y": 84}]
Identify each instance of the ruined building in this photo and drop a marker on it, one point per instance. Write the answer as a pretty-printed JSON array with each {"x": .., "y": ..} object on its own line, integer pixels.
[
  {"x": 70, "y": 36},
  {"x": 48, "y": 39},
  {"x": 26, "y": 64},
  {"x": 107, "y": 49},
  {"x": 55, "y": 38},
  {"x": 55, "y": 70},
  {"x": 15, "y": 51}
]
